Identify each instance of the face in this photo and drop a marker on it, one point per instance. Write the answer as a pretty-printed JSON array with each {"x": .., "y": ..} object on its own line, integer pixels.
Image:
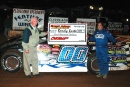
[
  {"x": 100, "y": 26},
  {"x": 34, "y": 22}
]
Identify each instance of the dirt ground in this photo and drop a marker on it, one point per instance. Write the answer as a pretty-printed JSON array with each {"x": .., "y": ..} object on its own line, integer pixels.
[{"x": 86, "y": 79}]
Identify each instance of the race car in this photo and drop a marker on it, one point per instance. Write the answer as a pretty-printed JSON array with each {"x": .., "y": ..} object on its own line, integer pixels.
[{"x": 54, "y": 56}]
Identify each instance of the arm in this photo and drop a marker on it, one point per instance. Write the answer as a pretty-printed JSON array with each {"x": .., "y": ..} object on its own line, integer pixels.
[
  {"x": 92, "y": 38},
  {"x": 111, "y": 38},
  {"x": 42, "y": 34},
  {"x": 25, "y": 41}
]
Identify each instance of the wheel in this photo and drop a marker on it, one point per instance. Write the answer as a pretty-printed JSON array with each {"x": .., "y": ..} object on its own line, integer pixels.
[
  {"x": 12, "y": 61},
  {"x": 92, "y": 64}
]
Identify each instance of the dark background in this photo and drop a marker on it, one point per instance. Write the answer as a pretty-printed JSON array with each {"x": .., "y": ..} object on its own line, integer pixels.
[
  {"x": 107, "y": 4},
  {"x": 116, "y": 10}
]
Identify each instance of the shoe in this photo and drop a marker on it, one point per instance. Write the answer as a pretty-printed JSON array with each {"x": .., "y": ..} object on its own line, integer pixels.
[
  {"x": 38, "y": 74},
  {"x": 29, "y": 76},
  {"x": 105, "y": 76},
  {"x": 99, "y": 75}
]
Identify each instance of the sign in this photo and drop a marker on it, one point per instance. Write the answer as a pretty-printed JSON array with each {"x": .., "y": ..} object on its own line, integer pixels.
[
  {"x": 57, "y": 20},
  {"x": 115, "y": 26},
  {"x": 68, "y": 34},
  {"x": 22, "y": 17},
  {"x": 91, "y": 24}
]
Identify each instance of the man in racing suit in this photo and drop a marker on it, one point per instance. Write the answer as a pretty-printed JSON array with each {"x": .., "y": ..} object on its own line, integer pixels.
[{"x": 101, "y": 36}]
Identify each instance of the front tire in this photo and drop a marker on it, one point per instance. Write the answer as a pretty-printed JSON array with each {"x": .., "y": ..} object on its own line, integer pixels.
[
  {"x": 92, "y": 64},
  {"x": 12, "y": 61}
]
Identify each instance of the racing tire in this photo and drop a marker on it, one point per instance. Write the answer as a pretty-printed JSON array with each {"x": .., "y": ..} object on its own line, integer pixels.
[
  {"x": 11, "y": 61},
  {"x": 92, "y": 64}
]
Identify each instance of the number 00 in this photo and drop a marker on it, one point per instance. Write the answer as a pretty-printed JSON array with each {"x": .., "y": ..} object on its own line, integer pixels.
[{"x": 73, "y": 54}]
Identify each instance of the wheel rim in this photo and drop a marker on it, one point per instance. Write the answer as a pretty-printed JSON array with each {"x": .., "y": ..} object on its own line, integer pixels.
[
  {"x": 94, "y": 64},
  {"x": 12, "y": 63}
]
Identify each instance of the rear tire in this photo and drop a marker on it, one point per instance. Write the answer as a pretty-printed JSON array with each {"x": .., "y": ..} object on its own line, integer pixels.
[
  {"x": 12, "y": 61},
  {"x": 92, "y": 64}
]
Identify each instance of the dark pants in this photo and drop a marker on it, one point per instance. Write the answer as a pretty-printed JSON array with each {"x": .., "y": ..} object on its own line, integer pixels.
[
  {"x": 6, "y": 32},
  {"x": 103, "y": 59}
]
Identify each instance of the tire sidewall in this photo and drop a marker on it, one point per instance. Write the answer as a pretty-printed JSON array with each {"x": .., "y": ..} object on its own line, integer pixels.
[
  {"x": 91, "y": 58},
  {"x": 9, "y": 54}
]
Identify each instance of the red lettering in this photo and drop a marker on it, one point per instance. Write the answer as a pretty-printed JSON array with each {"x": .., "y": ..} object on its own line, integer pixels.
[
  {"x": 55, "y": 25},
  {"x": 65, "y": 26},
  {"x": 62, "y": 26},
  {"x": 59, "y": 38}
]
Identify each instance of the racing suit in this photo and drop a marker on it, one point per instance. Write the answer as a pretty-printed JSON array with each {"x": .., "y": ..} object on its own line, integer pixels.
[
  {"x": 101, "y": 37},
  {"x": 30, "y": 42}
]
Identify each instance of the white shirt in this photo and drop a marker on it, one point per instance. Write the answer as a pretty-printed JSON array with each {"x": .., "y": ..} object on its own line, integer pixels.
[{"x": 33, "y": 27}]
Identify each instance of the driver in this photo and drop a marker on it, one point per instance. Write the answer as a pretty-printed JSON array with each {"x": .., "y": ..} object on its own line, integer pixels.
[{"x": 101, "y": 37}]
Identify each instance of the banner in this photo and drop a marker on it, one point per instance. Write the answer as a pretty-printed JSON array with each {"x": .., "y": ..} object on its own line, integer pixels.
[
  {"x": 22, "y": 17},
  {"x": 91, "y": 24},
  {"x": 115, "y": 26},
  {"x": 57, "y": 20},
  {"x": 68, "y": 34}
]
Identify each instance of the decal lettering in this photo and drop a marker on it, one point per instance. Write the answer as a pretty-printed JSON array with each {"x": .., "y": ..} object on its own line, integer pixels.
[
  {"x": 72, "y": 54},
  {"x": 101, "y": 36}
]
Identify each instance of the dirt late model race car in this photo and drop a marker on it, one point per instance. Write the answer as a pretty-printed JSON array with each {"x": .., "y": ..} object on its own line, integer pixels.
[{"x": 54, "y": 56}]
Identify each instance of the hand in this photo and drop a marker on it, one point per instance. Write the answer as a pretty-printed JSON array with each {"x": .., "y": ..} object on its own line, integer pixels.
[
  {"x": 87, "y": 36},
  {"x": 27, "y": 51},
  {"x": 118, "y": 44},
  {"x": 47, "y": 32}
]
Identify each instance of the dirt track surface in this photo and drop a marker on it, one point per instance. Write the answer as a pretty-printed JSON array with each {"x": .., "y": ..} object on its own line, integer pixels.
[{"x": 86, "y": 79}]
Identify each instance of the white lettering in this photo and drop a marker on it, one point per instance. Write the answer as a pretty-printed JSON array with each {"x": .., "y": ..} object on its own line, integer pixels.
[{"x": 101, "y": 36}]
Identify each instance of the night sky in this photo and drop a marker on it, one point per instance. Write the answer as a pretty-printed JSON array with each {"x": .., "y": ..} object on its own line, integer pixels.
[{"x": 107, "y": 4}]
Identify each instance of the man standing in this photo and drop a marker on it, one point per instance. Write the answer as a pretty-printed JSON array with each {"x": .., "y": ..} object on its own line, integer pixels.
[
  {"x": 30, "y": 41},
  {"x": 7, "y": 25},
  {"x": 101, "y": 36}
]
